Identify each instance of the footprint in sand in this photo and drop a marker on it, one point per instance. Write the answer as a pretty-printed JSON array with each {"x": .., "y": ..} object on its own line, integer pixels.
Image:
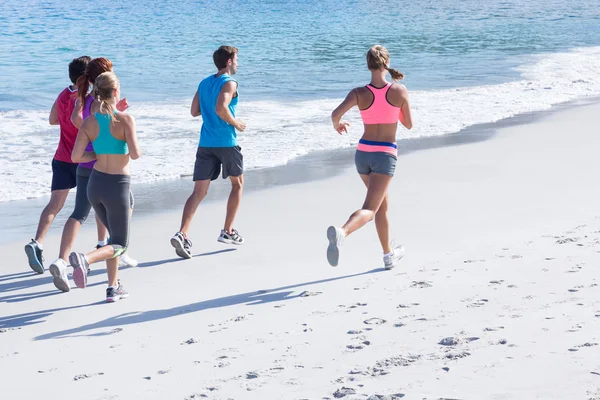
[
  {"x": 44, "y": 372},
  {"x": 4, "y": 330},
  {"x": 421, "y": 284},
  {"x": 375, "y": 321},
  {"x": 86, "y": 376},
  {"x": 478, "y": 303},
  {"x": 343, "y": 392},
  {"x": 452, "y": 355},
  {"x": 494, "y": 329},
  {"x": 355, "y": 347},
  {"x": 251, "y": 375},
  {"x": 309, "y": 294},
  {"x": 588, "y": 345},
  {"x": 450, "y": 341},
  {"x": 453, "y": 341},
  {"x": 565, "y": 240}
]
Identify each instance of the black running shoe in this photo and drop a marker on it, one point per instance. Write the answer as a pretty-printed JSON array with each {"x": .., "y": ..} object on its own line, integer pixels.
[{"x": 34, "y": 255}]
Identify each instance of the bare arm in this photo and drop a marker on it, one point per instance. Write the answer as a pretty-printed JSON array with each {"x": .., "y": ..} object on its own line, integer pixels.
[
  {"x": 79, "y": 154},
  {"x": 195, "y": 109},
  {"x": 53, "y": 119},
  {"x": 131, "y": 137},
  {"x": 77, "y": 114},
  {"x": 350, "y": 101},
  {"x": 227, "y": 92},
  {"x": 405, "y": 117}
]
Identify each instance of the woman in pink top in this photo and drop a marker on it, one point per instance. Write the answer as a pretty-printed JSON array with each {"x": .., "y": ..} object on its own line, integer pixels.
[{"x": 382, "y": 104}]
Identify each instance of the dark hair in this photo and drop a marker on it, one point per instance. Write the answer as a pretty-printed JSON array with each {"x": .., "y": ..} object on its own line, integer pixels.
[
  {"x": 77, "y": 67},
  {"x": 224, "y": 54},
  {"x": 378, "y": 58},
  {"x": 95, "y": 67}
]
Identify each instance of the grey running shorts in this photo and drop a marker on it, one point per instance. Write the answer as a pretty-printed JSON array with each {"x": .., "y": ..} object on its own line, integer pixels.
[
  {"x": 380, "y": 163},
  {"x": 210, "y": 159}
]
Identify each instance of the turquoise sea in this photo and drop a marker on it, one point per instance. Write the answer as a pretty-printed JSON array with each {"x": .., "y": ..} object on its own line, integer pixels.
[{"x": 466, "y": 62}]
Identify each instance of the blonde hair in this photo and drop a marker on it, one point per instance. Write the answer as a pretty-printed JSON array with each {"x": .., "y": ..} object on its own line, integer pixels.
[
  {"x": 105, "y": 85},
  {"x": 378, "y": 57}
]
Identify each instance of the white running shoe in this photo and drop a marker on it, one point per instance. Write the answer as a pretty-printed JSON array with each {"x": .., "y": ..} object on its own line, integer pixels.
[
  {"x": 336, "y": 238},
  {"x": 182, "y": 245},
  {"x": 58, "y": 269},
  {"x": 126, "y": 261},
  {"x": 390, "y": 261},
  {"x": 230, "y": 238}
]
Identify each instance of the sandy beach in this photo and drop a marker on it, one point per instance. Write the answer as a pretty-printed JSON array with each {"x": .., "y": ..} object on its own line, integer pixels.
[{"x": 496, "y": 298}]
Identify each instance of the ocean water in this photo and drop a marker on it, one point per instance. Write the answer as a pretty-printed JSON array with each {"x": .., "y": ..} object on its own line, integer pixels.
[{"x": 466, "y": 62}]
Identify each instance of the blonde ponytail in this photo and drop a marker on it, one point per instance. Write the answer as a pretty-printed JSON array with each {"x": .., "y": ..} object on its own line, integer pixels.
[
  {"x": 378, "y": 58},
  {"x": 395, "y": 74},
  {"x": 104, "y": 86}
]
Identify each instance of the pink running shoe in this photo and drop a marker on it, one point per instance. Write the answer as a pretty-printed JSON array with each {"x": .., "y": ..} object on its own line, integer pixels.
[{"x": 81, "y": 269}]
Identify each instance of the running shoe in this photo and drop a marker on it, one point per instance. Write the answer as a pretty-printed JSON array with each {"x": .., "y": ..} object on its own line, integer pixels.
[
  {"x": 389, "y": 261},
  {"x": 81, "y": 269},
  {"x": 58, "y": 270},
  {"x": 116, "y": 293},
  {"x": 183, "y": 245},
  {"x": 336, "y": 238},
  {"x": 34, "y": 255},
  {"x": 126, "y": 261},
  {"x": 232, "y": 237}
]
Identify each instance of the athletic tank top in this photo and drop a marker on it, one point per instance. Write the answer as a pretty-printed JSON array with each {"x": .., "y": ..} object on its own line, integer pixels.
[
  {"x": 215, "y": 132},
  {"x": 86, "y": 113},
  {"x": 65, "y": 103},
  {"x": 106, "y": 143},
  {"x": 380, "y": 111}
]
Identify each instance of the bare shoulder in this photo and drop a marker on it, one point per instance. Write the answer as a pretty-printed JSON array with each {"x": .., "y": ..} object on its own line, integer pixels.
[
  {"x": 399, "y": 88},
  {"x": 398, "y": 93},
  {"x": 126, "y": 118},
  {"x": 361, "y": 90},
  {"x": 230, "y": 86},
  {"x": 89, "y": 122}
]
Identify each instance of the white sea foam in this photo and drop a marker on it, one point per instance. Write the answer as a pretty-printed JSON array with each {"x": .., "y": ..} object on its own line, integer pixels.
[{"x": 280, "y": 131}]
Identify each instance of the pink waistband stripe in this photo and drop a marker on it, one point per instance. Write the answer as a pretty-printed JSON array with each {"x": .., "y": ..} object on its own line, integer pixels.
[{"x": 369, "y": 148}]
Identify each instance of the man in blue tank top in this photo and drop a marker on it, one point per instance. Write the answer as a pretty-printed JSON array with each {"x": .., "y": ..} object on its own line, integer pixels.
[{"x": 216, "y": 100}]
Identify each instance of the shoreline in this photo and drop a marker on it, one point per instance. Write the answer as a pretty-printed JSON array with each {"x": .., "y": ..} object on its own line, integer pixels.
[{"x": 20, "y": 217}]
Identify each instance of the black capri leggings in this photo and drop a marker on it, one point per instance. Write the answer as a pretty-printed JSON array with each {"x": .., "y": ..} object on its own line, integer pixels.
[
  {"x": 109, "y": 195},
  {"x": 82, "y": 204}
]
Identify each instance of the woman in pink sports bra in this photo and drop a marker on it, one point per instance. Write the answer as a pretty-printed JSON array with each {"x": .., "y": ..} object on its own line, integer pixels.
[{"x": 382, "y": 104}]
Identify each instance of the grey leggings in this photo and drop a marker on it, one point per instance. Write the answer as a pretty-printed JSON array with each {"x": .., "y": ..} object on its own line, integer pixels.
[
  {"x": 82, "y": 204},
  {"x": 109, "y": 195}
]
